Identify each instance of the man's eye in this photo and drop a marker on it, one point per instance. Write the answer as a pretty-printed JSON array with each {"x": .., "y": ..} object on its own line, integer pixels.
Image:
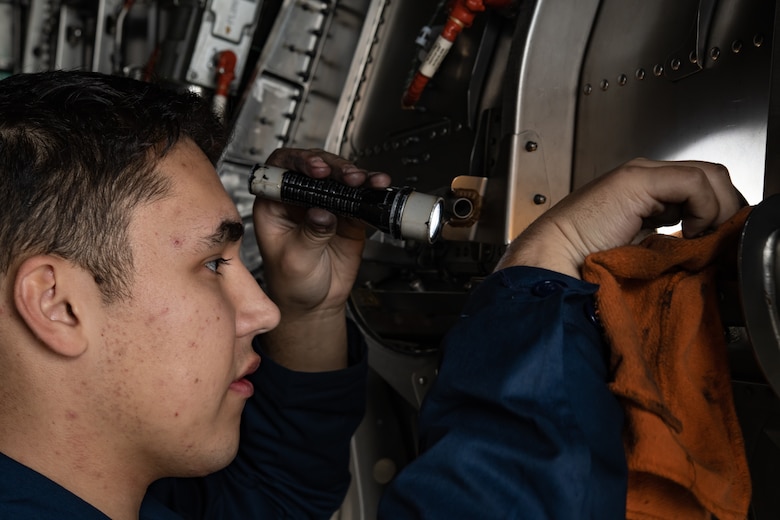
[{"x": 215, "y": 264}]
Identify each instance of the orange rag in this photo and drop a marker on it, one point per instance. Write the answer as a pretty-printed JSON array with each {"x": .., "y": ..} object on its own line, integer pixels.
[{"x": 658, "y": 305}]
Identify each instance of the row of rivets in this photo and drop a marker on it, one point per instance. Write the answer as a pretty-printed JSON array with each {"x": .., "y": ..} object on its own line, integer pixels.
[
  {"x": 675, "y": 64},
  {"x": 532, "y": 146},
  {"x": 411, "y": 140}
]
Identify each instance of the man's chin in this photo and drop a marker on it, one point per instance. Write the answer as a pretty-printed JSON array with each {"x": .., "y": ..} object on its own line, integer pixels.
[{"x": 208, "y": 461}]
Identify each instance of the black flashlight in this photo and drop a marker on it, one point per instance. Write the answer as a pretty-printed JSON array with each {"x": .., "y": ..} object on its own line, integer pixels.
[{"x": 402, "y": 212}]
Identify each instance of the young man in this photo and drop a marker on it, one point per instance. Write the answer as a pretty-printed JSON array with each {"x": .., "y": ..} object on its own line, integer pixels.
[
  {"x": 127, "y": 319},
  {"x": 127, "y": 327}
]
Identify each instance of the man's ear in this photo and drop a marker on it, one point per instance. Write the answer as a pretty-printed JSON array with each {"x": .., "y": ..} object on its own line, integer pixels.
[{"x": 50, "y": 296}]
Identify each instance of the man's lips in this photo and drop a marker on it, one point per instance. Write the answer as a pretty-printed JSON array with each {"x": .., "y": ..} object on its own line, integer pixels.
[{"x": 242, "y": 385}]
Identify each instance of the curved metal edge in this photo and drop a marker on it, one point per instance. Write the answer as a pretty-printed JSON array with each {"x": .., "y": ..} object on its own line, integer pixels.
[{"x": 758, "y": 266}]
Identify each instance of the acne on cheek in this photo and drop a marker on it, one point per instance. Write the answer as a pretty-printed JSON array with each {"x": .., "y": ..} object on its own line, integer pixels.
[{"x": 153, "y": 317}]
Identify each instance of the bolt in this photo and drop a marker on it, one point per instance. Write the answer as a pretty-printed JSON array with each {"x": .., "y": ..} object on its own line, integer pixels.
[
  {"x": 539, "y": 199},
  {"x": 531, "y": 146},
  {"x": 384, "y": 470},
  {"x": 74, "y": 34}
]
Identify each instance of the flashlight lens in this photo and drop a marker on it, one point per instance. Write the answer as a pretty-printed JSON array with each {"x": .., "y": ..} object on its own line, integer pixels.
[{"x": 434, "y": 224}]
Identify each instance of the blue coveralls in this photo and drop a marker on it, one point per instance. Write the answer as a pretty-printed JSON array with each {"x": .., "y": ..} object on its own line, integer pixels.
[{"x": 519, "y": 424}]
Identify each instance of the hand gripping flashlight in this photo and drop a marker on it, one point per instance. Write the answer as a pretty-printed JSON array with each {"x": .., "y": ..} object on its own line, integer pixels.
[{"x": 401, "y": 212}]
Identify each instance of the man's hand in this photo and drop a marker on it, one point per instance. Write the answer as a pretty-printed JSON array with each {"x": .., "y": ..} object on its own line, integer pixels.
[
  {"x": 610, "y": 211},
  {"x": 311, "y": 259}
]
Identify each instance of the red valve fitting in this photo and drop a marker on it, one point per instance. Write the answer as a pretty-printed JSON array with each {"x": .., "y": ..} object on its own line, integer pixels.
[{"x": 226, "y": 72}]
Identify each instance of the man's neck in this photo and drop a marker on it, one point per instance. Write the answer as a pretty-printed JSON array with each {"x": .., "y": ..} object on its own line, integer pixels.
[{"x": 71, "y": 458}]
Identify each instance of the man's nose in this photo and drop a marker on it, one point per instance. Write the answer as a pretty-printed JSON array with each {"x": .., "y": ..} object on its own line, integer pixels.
[{"x": 255, "y": 312}]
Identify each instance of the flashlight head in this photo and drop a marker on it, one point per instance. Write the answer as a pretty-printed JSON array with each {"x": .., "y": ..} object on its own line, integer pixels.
[{"x": 421, "y": 217}]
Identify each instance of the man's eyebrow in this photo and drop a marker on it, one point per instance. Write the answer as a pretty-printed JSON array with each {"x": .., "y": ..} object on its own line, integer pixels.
[{"x": 227, "y": 231}]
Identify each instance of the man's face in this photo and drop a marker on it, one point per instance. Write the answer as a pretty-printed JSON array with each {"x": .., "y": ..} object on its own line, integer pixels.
[{"x": 175, "y": 354}]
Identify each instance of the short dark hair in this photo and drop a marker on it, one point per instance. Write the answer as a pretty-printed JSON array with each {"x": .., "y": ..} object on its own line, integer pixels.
[{"x": 78, "y": 152}]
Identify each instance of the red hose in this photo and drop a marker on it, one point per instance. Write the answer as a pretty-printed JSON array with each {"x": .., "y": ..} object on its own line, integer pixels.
[{"x": 461, "y": 16}]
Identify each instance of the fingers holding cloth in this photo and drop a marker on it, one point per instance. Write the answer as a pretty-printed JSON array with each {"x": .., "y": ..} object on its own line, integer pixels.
[
  {"x": 658, "y": 307},
  {"x": 611, "y": 210}
]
